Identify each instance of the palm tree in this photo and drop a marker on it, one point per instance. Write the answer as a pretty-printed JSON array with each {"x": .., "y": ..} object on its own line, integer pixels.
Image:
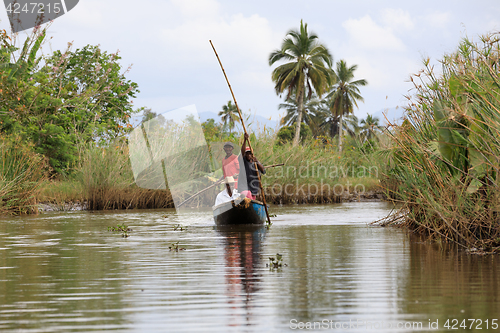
[
  {"x": 344, "y": 94},
  {"x": 229, "y": 115},
  {"x": 311, "y": 112},
  {"x": 305, "y": 72},
  {"x": 349, "y": 124},
  {"x": 370, "y": 126}
]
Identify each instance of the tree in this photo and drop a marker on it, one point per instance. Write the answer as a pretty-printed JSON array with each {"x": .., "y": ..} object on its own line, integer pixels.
[
  {"x": 312, "y": 114},
  {"x": 94, "y": 89},
  {"x": 329, "y": 124},
  {"x": 344, "y": 94},
  {"x": 211, "y": 130},
  {"x": 229, "y": 115},
  {"x": 369, "y": 127},
  {"x": 72, "y": 98},
  {"x": 308, "y": 69},
  {"x": 147, "y": 115},
  {"x": 287, "y": 134}
]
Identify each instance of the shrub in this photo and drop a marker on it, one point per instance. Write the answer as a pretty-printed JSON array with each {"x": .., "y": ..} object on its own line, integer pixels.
[{"x": 287, "y": 133}]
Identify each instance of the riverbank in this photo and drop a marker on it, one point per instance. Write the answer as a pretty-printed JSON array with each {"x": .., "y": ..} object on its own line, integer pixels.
[{"x": 368, "y": 196}]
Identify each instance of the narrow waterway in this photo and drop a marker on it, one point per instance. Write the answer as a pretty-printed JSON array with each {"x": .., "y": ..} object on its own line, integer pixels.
[{"x": 65, "y": 272}]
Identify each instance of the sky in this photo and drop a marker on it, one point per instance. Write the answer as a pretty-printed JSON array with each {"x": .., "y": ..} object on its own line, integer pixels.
[{"x": 167, "y": 44}]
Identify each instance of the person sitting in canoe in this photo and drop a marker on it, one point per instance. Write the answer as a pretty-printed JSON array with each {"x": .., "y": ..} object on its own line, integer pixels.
[
  {"x": 249, "y": 188},
  {"x": 230, "y": 164},
  {"x": 229, "y": 193}
]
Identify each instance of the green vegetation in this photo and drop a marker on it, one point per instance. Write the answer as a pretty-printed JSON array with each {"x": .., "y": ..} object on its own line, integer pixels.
[
  {"x": 314, "y": 172},
  {"x": 445, "y": 157},
  {"x": 276, "y": 262},
  {"x": 53, "y": 109},
  {"x": 64, "y": 120},
  {"x": 63, "y": 101},
  {"x": 105, "y": 174},
  {"x": 308, "y": 74},
  {"x": 121, "y": 228},
  {"x": 287, "y": 134},
  {"x": 179, "y": 227}
]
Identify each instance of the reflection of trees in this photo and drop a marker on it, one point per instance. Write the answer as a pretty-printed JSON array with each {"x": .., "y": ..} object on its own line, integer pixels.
[
  {"x": 242, "y": 254},
  {"x": 54, "y": 275},
  {"x": 445, "y": 282}
]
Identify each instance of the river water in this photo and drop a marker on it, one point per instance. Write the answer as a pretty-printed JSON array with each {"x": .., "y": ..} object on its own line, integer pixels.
[{"x": 65, "y": 272}]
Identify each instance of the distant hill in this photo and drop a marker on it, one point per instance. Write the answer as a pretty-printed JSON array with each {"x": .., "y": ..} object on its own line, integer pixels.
[
  {"x": 394, "y": 115},
  {"x": 255, "y": 123}
]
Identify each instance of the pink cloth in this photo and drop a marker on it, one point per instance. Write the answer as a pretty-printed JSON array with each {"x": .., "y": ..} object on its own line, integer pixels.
[{"x": 249, "y": 195}]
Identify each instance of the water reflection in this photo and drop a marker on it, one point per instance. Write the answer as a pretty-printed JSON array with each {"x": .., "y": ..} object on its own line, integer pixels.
[
  {"x": 242, "y": 255},
  {"x": 340, "y": 274},
  {"x": 53, "y": 269},
  {"x": 446, "y": 282}
]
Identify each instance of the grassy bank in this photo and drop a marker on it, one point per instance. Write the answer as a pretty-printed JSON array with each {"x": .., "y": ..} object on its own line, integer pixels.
[
  {"x": 446, "y": 156},
  {"x": 103, "y": 180},
  {"x": 314, "y": 172}
]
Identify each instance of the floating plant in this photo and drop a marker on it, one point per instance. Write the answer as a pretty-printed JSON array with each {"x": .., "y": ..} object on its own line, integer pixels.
[
  {"x": 179, "y": 227},
  {"x": 121, "y": 228},
  {"x": 175, "y": 247},
  {"x": 276, "y": 262},
  {"x": 268, "y": 224}
]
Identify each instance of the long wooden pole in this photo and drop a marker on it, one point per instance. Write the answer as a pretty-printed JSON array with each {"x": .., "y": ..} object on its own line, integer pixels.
[
  {"x": 274, "y": 165},
  {"x": 200, "y": 192},
  {"x": 244, "y": 129},
  {"x": 220, "y": 181}
]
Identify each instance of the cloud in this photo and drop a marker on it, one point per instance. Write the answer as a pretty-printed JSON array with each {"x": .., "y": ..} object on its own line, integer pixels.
[
  {"x": 397, "y": 19},
  {"x": 383, "y": 73},
  {"x": 492, "y": 25},
  {"x": 368, "y": 35},
  {"x": 382, "y": 58},
  {"x": 197, "y": 8},
  {"x": 243, "y": 41},
  {"x": 439, "y": 20}
]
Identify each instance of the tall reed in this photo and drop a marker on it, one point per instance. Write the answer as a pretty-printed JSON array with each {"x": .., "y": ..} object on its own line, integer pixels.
[
  {"x": 22, "y": 172},
  {"x": 108, "y": 182},
  {"x": 445, "y": 158}
]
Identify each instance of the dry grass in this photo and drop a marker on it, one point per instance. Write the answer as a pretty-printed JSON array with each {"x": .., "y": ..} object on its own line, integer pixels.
[{"x": 22, "y": 172}]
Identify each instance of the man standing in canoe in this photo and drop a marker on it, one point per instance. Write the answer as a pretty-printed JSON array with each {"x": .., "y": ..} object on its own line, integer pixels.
[
  {"x": 248, "y": 179},
  {"x": 230, "y": 164}
]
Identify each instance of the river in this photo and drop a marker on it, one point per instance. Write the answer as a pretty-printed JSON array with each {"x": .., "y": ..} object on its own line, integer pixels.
[{"x": 65, "y": 272}]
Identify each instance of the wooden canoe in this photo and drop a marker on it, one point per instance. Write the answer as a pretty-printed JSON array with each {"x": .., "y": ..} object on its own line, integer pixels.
[{"x": 246, "y": 212}]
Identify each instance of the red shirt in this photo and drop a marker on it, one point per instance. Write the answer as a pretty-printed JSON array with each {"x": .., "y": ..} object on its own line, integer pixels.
[{"x": 231, "y": 168}]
